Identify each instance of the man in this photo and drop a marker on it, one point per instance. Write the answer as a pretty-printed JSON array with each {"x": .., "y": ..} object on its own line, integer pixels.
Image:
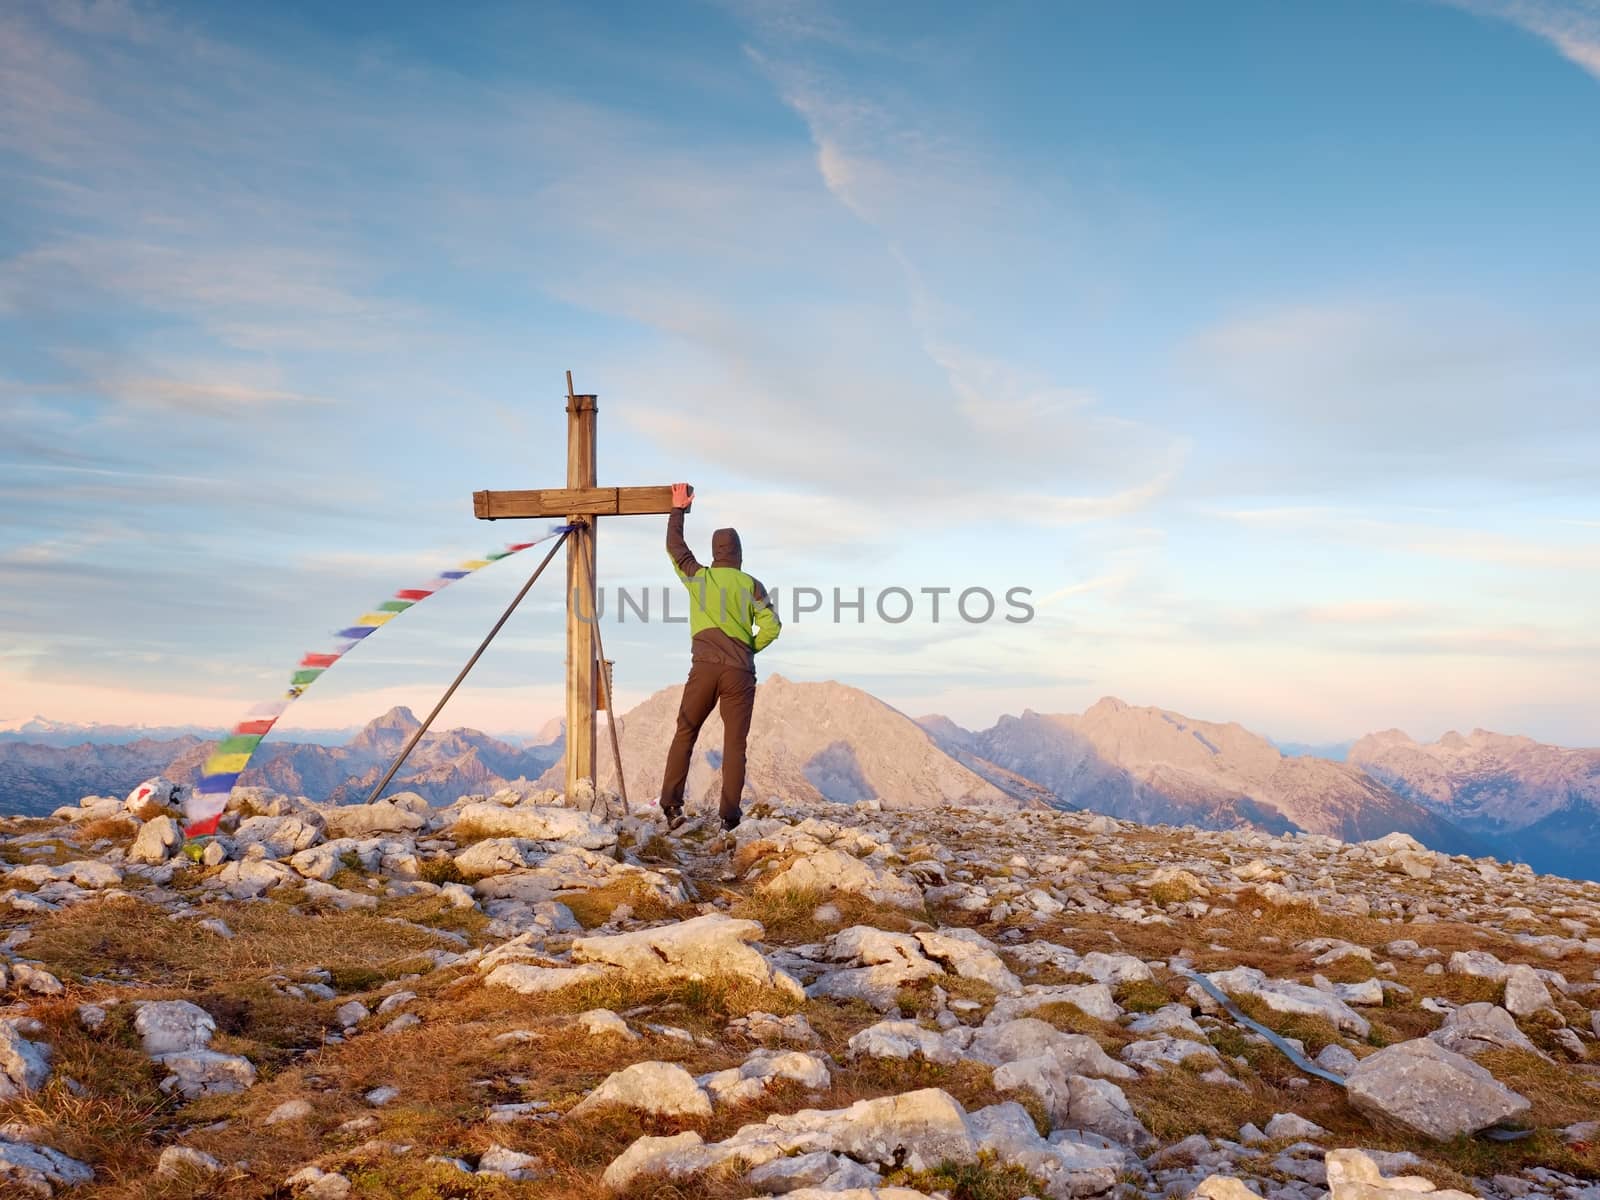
[{"x": 730, "y": 621}]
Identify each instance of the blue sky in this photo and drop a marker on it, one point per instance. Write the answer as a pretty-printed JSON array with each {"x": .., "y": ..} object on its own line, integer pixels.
[{"x": 1259, "y": 340}]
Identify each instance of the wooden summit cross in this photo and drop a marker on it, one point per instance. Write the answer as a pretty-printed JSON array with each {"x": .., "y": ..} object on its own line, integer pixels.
[{"x": 579, "y": 503}]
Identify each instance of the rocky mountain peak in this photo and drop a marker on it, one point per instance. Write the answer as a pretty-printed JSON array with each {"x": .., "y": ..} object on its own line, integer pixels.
[{"x": 388, "y": 731}]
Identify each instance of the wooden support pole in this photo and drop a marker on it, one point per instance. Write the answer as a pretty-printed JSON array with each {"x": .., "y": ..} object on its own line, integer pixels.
[{"x": 582, "y": 602}]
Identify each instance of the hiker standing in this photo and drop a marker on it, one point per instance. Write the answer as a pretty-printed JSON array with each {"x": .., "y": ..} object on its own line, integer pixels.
[{"x": 730, "y": 620}]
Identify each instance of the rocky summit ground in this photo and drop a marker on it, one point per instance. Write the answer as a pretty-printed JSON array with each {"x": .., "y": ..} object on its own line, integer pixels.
[{"x": 510, "y": 997}]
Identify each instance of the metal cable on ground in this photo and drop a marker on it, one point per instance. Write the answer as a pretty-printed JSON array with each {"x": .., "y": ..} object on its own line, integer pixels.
[
  {"x": 1278, "y": 1044},
  {"x": 1495, "y": 1133},
  {"x": 416, "y": 737}
]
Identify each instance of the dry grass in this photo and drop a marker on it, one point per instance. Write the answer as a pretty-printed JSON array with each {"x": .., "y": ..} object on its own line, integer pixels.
[
  {"x": 985, "y": 1179},
  {"x": 118, "y": 830},
  {"x": 786, "y": 916},
  {"x": 593, "y": 908},
  {"x": 138, "y": 942}
]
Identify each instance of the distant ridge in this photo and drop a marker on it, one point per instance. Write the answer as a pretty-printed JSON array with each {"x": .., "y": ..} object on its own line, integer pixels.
[{"x": 1161, "y": 767}]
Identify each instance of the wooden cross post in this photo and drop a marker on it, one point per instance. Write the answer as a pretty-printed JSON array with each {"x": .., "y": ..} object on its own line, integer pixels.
[{"x": 579, "y": 503}]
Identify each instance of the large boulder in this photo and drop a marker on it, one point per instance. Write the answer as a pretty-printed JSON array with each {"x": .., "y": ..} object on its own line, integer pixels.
[
  {"x": 701, "y": 948},
  {"x": 251, "y": 878},
  {"x": 829, "y": 870},
  {"x": 537, "y": 822},
  {"x": 1432, "y": 1090}
]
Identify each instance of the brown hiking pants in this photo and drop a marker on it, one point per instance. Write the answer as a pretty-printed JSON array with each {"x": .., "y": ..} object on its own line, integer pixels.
[{"x": 733, "y": 690}]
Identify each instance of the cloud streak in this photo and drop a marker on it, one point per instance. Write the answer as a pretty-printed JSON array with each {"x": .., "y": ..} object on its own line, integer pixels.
[{"x": 1572, "y": 27}]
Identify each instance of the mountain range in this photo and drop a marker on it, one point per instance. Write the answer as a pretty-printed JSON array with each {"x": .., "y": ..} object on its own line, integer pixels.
[
  {"x": 1532, "y": 801},
  {"x": 1159, "y": 767},
  {"x": 37, "y": 779},
  {"x": 1482, "y": 792}
]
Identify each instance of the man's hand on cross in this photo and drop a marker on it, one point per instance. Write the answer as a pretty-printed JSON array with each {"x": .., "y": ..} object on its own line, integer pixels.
[{"x": 682, "y": 495}]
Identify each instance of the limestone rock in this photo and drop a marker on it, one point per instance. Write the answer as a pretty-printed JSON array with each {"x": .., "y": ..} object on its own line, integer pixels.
[
  {"x": 1287, "y": 997},
  {"x": 888, "y": 962},
  {"x": 750, "y": 1080},
  {"x": 24, "y": 1065},
  {"x": 512, "y": 1164},
  {"x": 196, "y": 1073},
  {"x": 289, "y": 1110},
  {"x": 279, "y": 836},
  {"x": 1068, "y": 1169},
  {"x": 313, "y": 1183},
  {"x": 182, "y": 1160},
  {"x": 1475, "y": 1028},
  {"x": 1223, "y": 1187},
  {"x": 1026, "y": 1037},
  {"x": 1353, "y": 1175},
  {"x": 498, "y": 855},
  {"x": 1479, "y": 964},
  {"x": 1092, "y": 999},
  {"x": 530, "y": 980},
  {"x": 353, "y": 820},
  {"x": 701, "y": 948},
  {"x": 172, "y": 1026},
  {"x": 920, "y": 1129},
  {"x": 969, "y": 955},
  {"x": 664, "y": 1089},
  {"x": 1432, "y": 1090},
  {"x": 158, "y": 839},
  {"x": 34, "y": 1170},
  {"x": 602, "y": 1022},
  {"x": 537, "y": 822},
  {"x": 903, "y": 1039},
  {"x": 1526, "y": 993},
  {"x": 829, "y": 870},
  {"x": 819, "y": 1169}
]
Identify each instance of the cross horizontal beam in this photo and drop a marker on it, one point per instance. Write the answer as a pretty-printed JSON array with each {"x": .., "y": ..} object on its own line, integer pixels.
[{"x": 572, "y": 502}]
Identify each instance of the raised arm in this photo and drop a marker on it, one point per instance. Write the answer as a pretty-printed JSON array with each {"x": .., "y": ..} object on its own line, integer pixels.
[{"x": 683, "y": 558}]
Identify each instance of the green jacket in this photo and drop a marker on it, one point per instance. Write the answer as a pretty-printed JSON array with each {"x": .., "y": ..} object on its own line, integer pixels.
[{"x": 730, "y": 618}]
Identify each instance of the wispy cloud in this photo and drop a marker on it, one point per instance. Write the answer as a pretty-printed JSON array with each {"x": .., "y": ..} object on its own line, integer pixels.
[{"x": 1571, "y": 26}]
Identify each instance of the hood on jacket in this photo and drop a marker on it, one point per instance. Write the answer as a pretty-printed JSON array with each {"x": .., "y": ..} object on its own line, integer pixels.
[{"x": 726, "y": 550}]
